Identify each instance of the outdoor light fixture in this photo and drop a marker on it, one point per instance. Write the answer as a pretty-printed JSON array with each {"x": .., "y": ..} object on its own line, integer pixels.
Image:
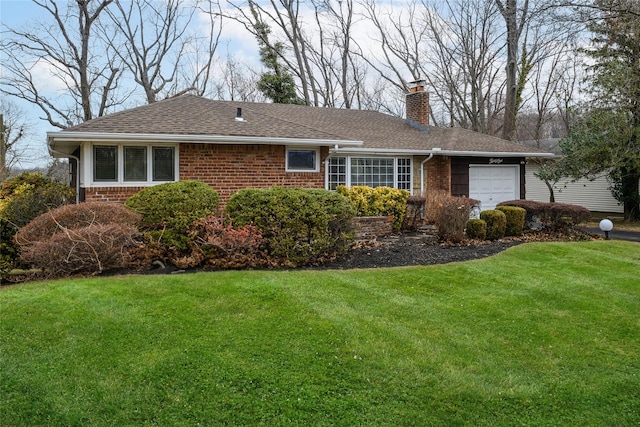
[{"x": 606, "y": 225}]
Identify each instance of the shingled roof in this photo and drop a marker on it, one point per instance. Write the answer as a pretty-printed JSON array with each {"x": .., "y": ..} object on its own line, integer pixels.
[{"x": 193, "y": 116}]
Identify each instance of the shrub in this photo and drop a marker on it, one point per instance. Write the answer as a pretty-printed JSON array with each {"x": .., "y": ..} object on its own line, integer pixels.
[
  {"x": 22, "y": 198},
  {"x": 415, "y": 212},
  {"x": 515, "y": 219},
  {"x": 476, "y": 229},
  {"x": 87, "y": 250},
  {"x": 298, "y": 225},
  {"x": 220, "y": 245},
  {"x": 75, "y": 217},
  {"x": 85, "y": 238},
  {"x": 435, "y": 200},
  {"x": 168, "y": 210},
  {"x": 378, "y": 201},
  {"x": 496, "y": 223},
  {"x": 452, "y": 218},
  {"x": 556, "y": 216}
]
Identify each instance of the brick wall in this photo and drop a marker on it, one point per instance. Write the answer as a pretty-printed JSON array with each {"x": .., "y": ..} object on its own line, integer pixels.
[
  {"x": 229, "y": 168},
  {"x": 439, "y": 173},
  {"x": 368, "y": 227},
  {"x": 109, "y": 194}
]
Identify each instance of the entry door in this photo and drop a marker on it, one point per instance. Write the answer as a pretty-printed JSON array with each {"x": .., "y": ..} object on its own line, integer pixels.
[{"x": 493, "y": 184}]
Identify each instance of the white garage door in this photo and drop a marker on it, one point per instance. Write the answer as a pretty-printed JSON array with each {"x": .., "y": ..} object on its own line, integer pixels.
[{"x": 493, "y": 184}]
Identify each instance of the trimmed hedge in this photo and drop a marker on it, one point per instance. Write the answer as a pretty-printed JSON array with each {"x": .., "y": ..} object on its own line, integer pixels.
[
  {"x": 168, "y": 210},
  {"x": 476, "y": 229},
  {"x": 496, "y": 223},
  {"x": 551, "y": 215},
  {"x": 299, "y": 226},
  {"x": 515, "y": 219},
  {"x": 378, "y": 201}
]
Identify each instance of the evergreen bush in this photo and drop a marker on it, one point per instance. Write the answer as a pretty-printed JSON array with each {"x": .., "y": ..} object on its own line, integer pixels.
[
  {"x": 378, "y": 201},
  {"x": 168, "y": 210},
  {"x": 23, "y": 198},
  {"x": 300, "y": 226},
  {"x": 476, "y": 229},
  {"x": 515, "y": 219},
  {"x": 496, "y": 223}
]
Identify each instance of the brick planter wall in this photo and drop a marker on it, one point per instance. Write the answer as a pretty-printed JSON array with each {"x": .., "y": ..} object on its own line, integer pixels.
[{"x": 368, "y": 227}]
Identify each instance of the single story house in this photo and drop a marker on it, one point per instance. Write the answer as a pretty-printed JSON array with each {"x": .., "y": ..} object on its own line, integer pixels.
[
  {"x": 594, "y": 195},
  {"x": 233, "y": 145}
]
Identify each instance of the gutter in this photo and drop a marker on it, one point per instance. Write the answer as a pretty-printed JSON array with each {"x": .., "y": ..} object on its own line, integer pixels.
[
  {"x": 452, "y": 153},
  {"x": 63, "y": 136}
]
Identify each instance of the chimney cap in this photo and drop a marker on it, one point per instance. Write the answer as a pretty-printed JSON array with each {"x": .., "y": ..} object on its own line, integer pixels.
[{"x": 417, "y": 85}]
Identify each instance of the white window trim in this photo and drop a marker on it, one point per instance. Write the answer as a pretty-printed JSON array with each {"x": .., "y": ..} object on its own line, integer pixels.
[
  {"x": 120, "y": 182},
  {"x": 302, "y": 148},
  {"x": 364, "y": 156}
]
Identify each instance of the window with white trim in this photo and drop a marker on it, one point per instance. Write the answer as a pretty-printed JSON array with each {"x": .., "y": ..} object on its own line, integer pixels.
[
  {"x": 370, "y": 171},
  {"x": 134, "y": 163},
  {"x": 302, "y": 160}
]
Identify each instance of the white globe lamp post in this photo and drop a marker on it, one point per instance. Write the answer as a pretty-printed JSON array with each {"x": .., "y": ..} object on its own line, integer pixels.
[{"x": 606, "y": 225}]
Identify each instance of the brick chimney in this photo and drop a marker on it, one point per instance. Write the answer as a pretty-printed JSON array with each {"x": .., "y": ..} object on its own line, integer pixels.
[{"x": 417, "y": 104}]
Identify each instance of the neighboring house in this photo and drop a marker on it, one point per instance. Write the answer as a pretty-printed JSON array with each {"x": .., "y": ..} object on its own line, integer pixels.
[
  {"x": 233, "y": 145},
  {"x": 594, "y": 195}
]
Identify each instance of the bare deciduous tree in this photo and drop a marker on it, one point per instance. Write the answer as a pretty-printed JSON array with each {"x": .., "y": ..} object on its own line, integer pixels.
[
  {"x": 14, "y": 128},
  {"x": 66, "y": 48},
  {"x": 153, "y": 42}
]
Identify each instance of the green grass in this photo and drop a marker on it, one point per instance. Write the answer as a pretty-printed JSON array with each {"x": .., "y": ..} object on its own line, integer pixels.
[{"x": 542, "y": 334}]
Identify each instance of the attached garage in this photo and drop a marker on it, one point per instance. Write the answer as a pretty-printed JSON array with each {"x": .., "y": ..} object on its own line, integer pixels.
[
  {"x": 493, "y": 184},
  {"x": 490, "y": 180}
]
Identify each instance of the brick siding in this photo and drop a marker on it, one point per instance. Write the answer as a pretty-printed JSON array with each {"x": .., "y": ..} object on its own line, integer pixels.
[
  {"x": 109, "y": 194},
  {"x": 439, "y": 173},
  {"x": 229, "y": 168}
]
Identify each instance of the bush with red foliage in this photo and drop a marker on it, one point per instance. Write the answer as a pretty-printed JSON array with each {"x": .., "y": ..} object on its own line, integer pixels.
[
  {"x": 74, "y": 217},
  {"x": 555, "y": 216},
  {"x": 215, "y": 244},
  {"x": 86, "y": 238},
  {"x": 88, "y": 250}
]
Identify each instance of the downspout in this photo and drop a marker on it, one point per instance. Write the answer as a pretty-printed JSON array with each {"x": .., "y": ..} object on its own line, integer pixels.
[
  {"x": 422, "y": 173},
  {"x": 77, "y": 159}
]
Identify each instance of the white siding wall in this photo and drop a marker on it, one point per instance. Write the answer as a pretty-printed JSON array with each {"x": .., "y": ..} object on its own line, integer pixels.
[{"x": 593, "y": 195}]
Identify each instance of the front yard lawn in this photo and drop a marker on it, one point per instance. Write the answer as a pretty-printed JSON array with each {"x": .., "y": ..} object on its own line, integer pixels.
[{"x": 541, "y": 334}]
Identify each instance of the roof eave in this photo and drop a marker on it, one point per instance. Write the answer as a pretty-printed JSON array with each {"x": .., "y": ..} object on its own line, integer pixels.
[
  {"x": 440, "y": 152},
  {"x": 78, "y": 137}
]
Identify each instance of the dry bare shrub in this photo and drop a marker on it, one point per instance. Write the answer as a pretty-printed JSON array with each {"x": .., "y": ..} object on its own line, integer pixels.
[
  {"x": 87, "y": 250},
  {"x": 453, "y": 217},
  {"x": 434, "y": 202},
  {"x": 73, "y": 217}
]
